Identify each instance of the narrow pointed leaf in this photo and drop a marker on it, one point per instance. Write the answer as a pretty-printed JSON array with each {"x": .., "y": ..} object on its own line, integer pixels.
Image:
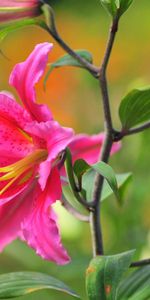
[
  {"x": 68, "y": 60},
  {"x": 108, "y": 173},
  {"x": 21, "y": 283},
  {"x": 80, "y": 167},
  {"x": 134, "y": 282},
  {"x": 143, "y": 293},
  {"x": 86, "y": 176},
  {"x": 67, "y": 192},
  {"x": 124, "y": 5},
  {"x": 110, "y": 6},
  {"x": 135, "y": 108},
  {"x": 104, "y": 274},
  {"x": 122, "y": 182},
  {"x": 116, "y": 7}
]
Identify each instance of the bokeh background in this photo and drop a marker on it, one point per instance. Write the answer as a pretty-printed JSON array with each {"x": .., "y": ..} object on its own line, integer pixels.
[{"x": 74, "y": 98}]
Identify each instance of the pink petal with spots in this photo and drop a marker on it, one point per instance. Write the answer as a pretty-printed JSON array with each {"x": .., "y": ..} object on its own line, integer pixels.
[
  {"x": 13, "y": 142},
  {"x": 12, "y": 111},
  {"x": 24, "y": 77},
  {"x": 57, "y": 139},
  {"x": 88, "y": 147},
  {"x": 39, "y": 229}
]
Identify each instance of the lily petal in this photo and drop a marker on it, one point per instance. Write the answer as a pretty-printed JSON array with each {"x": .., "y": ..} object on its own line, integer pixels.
[
  {"x": 17, "y": 191},
  {"x": 24, "y": 77},
  {"x": 13, "y": 142},
  {"x": 11, "y": 215},
  {"x": 88, "y": 147},
  {"x": 57, "y": 139},
  {"x": 39, "y": 229},
  {"x": 12, "y": 111},
  {"x": 18, "y": 3}
]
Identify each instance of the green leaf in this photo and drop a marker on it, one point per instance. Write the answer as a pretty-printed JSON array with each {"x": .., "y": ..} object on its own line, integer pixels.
[
  {"x": 143, "y": 293},
  {"x": 69, "y": 170},
  {"x": 9, "y": 28},
  {"x": 104, "y": 274},
  {"x": 116, "y": 7},
  {"x": 87, "y": 184},
  {"x": 108, "y": 173},
  {"x": 124, "y": 5},
  {"x": 80, "y": 167},
  {"x": 122, "y": 182},
  {"x": 86, "y": 176},
  {"x": 21, "y": 283},
  {"x": 68, "y": 60},
  {"x": 49, "y": 16},
  {"x": 135, "y": 108},
  {"x": 67, "y": 192},
  {"x": 110, "y": 6},
  {"x": 134, "y": 283}
]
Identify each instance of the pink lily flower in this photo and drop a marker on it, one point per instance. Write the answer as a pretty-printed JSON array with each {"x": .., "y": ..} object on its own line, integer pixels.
[
  {"x": 31, "y": 143},
  {"x": 16, "y": 9}
]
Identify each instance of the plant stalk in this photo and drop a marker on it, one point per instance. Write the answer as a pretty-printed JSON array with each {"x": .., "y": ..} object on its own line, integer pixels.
[
  {"x": 140, "y": 263},
  {"x": 51, "y": 27},
  {"x": 95, "y": 217}
]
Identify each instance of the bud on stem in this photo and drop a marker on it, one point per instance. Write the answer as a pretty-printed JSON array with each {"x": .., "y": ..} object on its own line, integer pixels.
[{"x": 13, "y": 9}]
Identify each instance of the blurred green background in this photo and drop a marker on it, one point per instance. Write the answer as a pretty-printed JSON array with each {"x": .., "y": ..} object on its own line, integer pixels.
[{"x": 74, "y": 98}]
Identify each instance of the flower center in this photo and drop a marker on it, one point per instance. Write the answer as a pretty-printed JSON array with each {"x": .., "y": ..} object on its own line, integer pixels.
[{"x": 22, "y": 169}]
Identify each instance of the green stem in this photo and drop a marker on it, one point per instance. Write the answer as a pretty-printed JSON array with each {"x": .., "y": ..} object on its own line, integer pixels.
[
  {"x": 140, "y": 263},
  {"x": 52, "y": 29},
  {"x": 96, "y": 230}
]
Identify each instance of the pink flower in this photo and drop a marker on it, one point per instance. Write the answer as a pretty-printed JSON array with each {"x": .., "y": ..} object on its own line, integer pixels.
[
  {"x": 15, "y": 9},
  {"x": 31, "y": 143}
]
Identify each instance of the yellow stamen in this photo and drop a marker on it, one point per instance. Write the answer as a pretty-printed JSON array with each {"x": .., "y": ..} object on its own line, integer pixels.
[
  {"x": 25, "y": 165},
  {"x": 26, "y": 177},
  {"x": 8, "y": 185},
  {"x": 26, "y": 135}
]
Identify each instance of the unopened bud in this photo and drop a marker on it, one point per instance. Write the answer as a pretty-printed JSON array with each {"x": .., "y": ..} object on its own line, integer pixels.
[{"x": 11, "y": 10}]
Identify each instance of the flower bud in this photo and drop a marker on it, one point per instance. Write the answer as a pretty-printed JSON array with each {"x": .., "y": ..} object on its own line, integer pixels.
[{"x": 11, "y": 10}]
